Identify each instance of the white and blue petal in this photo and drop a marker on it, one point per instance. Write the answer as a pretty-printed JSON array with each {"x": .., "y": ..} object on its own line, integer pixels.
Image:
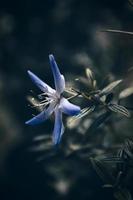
[
  {"x": 69, "y": 108},
  {"x": 44, "y": 115},
  {"x": 58, "y": 77},
  {"x": 42, "y": 85},
  {"x": 58, "y": 127}
]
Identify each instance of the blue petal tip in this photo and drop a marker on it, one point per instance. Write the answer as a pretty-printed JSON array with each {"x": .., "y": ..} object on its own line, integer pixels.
[
  {"x": 51, "y": 57},
  {"x": 29, "y": 72},
  {"x": 28, "y": 122}
]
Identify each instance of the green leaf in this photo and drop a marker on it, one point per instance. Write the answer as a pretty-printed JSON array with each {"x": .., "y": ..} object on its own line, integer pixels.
[
  {"x": 90, "y": 77},
  {"x": 89, "y": 74},
  {"x": 102, "y": 171},
  {"x": 126, "y": 93},
  {"x": 113, "y": 159},
  {"x": 122, "y": 194},
  {"x": 101, "y": 119},
  {"x": 128, "y": 148},
  {"x": 119, "y": 109},
  {"x": 110, "y": 87},
  {"x": 83, "y": 113}
]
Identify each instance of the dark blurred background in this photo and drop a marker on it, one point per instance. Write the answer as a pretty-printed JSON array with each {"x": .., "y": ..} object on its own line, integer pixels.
[{"x": 72, "y": 31}]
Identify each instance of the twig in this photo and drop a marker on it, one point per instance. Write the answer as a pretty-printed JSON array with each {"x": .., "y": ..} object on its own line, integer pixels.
[{"x": 118, "y": 31}]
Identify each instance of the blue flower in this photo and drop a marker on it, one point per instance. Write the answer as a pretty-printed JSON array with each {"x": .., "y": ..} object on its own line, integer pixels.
[{"x": 54, "y": 102}]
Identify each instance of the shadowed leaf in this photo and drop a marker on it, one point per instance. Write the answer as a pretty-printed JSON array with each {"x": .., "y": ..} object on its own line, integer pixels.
[
  {"x": 101, "y": 119},
  {"x": 113, "y": 159},
  {"x": 131, "y": 2},
  {"x": 119, "y": 109},
  {"x": 122, "y": 194},
  {"x": 128, "y": 149},
  {"x": 83, "y": 113},
  {"x": 109, "y": 98},
  {"x": 102, "y": 171}
]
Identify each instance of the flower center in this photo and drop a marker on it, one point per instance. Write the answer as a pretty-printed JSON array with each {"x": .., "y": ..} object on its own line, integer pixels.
[{"x": 46, "y": 99}]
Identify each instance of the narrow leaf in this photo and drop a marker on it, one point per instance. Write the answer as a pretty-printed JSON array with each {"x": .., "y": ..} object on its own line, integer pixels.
[
  {"x": 122, "y": 194},
  {"x": 113, "y": 159},
  {"x": 83, "y": 113},
  {"x": 126, "y": 93},
  {"x": 119, "y": 31},
  {"x": 89, "y": 74},
  {"x": 119, "y": 109},
  {"x": 110, "y": 87},
  {"x": 101, "y": 119},
  {"x": 102, "y": 171}
]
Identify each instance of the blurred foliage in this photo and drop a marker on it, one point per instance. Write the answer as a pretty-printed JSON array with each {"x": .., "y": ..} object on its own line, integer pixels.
[{"x": 94, "y": 159}]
